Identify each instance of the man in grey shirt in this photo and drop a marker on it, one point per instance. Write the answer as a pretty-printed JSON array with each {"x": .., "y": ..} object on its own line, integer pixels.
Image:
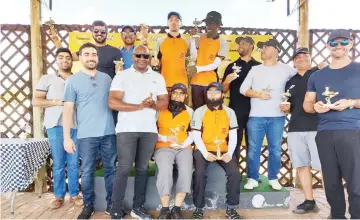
[
  {"x": 265, "y": 85},
  {"x": 49, "y": 94},
  {"x": 88, "y": 90}
]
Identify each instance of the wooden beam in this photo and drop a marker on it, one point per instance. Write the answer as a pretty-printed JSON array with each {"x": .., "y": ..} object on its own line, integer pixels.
[
  {"x": 36, "y": 73},
  {"x": 303, "y": 32}
]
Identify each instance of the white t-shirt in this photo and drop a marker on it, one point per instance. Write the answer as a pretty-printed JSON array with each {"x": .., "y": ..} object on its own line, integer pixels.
[{"x": 137, "y": 87}]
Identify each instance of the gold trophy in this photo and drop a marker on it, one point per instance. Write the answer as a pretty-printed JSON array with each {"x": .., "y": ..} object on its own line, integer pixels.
[
  {"x": 53, "y": 33},
  {"x": 155, "y": 63},
  {"x": 196, "y": 23},
  {"x": 144, "y": 31},
  {"x": 236, "y": 69},
  {"x": 119, "y": 63},
  {"x": 175, "y": 131},
  {"x": 286, "y": 96},
  {"x": 329, "y": 95},
  {"x": 218, "y": 142}
]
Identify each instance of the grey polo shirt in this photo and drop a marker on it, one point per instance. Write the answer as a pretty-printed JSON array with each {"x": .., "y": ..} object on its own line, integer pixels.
[
  {"x": 90, "y": 95},
  {"x": 54, "y": 86}
]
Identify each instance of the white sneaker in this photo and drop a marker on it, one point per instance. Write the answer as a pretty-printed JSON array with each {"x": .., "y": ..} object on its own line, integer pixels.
[
  {"x": 251, "y": 184},
  {"x": 275, "y": 184}
]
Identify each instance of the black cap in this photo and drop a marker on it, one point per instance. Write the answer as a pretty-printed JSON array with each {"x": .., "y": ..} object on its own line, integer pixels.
[
  {"x": 130, "y": 27},
  {"x": 174, "y": 13},
  {"x": 270, "y": 43},
  {"x": 179, "y": 86},
  {"x": 213, "y": 17},
  {"x": 339, "y": 33},
  {"x": 216, "y": 85},
  {"x": 300, "y": 50},
  {"x": 247, "y": 39}
]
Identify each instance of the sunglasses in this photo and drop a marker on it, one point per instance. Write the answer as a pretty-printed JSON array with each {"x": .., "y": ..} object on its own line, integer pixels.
[
  {"x": 96, "y": 31},
  {"x": 342, "y": 43},
  {"x": 130, "y": 34},
  {"x": 142, "y": 55},
  {"x": 93, "y": 82}
]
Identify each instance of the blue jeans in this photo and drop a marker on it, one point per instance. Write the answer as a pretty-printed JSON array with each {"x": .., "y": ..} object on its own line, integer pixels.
[
  {"x": 273, "y": 128},
  {"x": 89, "y": 149},
  {"x": 60, "y": 158}
]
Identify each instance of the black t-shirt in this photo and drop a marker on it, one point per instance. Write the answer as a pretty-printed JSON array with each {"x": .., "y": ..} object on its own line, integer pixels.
[
  {"x": 345, "y": 81},
  {"x": 239, "y": 102},
  {"x": 300, "y": 121},
  {"x": 107, "y": 54}
]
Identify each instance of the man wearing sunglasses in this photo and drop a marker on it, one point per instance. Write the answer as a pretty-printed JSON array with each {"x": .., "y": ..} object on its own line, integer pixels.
[
  {"x": 128, "y": 35},
  {"x": 338, "y": 130},
  {"x": 137, "y": 93}
]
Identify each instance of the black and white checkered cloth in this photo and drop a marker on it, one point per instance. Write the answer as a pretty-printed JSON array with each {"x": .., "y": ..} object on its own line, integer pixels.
[{"x": 20, "y": 162}]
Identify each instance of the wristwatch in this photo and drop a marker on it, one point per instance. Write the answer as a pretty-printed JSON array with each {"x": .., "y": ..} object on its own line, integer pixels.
[{"x": 351, "y": 104}]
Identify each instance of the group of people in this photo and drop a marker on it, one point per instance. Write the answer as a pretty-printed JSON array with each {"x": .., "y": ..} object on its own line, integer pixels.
[{"x": 134, "y": 113}]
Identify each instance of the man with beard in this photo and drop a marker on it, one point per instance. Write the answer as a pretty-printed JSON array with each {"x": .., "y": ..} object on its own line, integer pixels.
[
  {"x": 232, "y": 81},
  {"x": 171, "y": 51},
  {"x": 174, "y": 147},
  {"x": 88, "y": 90},
  {"x": 49, "y": 94},
  {"x": 265, "y": 85},
  {"x": 338, "y": 130},
  {"x": 211, "y": 51},
  {"x": 137, "y": 93},
  {"x": 128, "y": 35},
  {"x": 212, "y": 125}
]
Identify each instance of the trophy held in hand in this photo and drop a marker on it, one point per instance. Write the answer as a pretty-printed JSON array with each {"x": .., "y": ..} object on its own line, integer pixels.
[
  {"x": 218, "y": 142},
  {"x": 329, "y": 95}
]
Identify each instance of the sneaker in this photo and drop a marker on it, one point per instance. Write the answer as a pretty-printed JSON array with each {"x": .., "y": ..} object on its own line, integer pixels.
[
  {"x": 275, "y": 184},
  {"x": 108, "y": 209},
  {"x": 86, "y": 213},
  {"x": 140, "y": 213},
  {"x": 117, "y": 215},
  {"x": 176, "y": 213},
  {"x": 56, "y": 203},
  {"x": 198, "y": 214},
  {"x": 232, "y": 214},
  {"x": 251, "y": 184},
  {"x": 77, "y": 200},
  {"x": 306, "y": 207},
  {"x": 164, "y": 213}
]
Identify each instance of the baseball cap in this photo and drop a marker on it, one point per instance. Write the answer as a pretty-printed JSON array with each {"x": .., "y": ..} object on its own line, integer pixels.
[
  {"x": 339, "y": 33},
  {"x": 247, "y": 39},
  {"x": 130, "y": 27},
  {"x": 270, "y": 43},
  {"x": 179, "y": 86},
  {"x": 174, "y": 13},
  {"x": 216, "y": 85},
  {"x": 213, "y": 17},
  {"x": 300, "y": 50}
]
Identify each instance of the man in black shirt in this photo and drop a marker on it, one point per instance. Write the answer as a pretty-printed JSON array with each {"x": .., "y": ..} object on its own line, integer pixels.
[
  {"x": 232, "y": 81},
  {"x": 302, "y": 129}
]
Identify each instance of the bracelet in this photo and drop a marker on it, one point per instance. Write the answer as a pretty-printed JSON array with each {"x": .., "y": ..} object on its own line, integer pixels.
[
  {"x": 351, "y": 103},
  {"x": 258, "y": 95},
  {"x": 54, "y": 102}
]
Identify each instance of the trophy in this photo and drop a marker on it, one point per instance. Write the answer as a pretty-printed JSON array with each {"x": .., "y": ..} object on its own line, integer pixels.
[
  {"x": 119, "y": 63},
  {"x": 196, "y": 24},
  {"x": 143, "y": 32},
  {"x": 218, "y": 142},
  {"x": 50, "y": 23},
  {"x": 329, "y": 95},
  {"x": 175, "y": 131},
  {"x": 286, "y": 96},
  {"x": 155, "y": 63},
  {"x": 25, "y": 135},
  {"x": 236, "y": 69}
]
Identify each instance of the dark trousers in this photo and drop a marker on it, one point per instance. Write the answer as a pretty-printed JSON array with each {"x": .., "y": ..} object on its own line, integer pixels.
[
  {"x": 232, "y": 184},
  {"x": 339, "y": 153},
  {"x": 198, "y": 96},
  {"x": 132, "y": 147},
  {"x": 242, "y": 119}
]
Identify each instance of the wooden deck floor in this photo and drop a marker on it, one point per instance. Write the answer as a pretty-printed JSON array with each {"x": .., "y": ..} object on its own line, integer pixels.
[{"x": 29, "y": 206}]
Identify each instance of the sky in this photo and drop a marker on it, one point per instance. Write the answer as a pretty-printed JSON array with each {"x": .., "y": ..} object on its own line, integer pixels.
[{"x": 323, "y": 14}]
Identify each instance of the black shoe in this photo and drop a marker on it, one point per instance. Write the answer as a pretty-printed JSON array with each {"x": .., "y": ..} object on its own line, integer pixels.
[
  {"x": 176, "y": 213},
  {"x": 164, "y": 213},
  {"x": 198, "y": 214},
  {"x": 86, "y": 213},
  {"x": 117, "y": 215},
  {"x": 108, "y": 209},
  {"x": 140, "y": 213},
  {"x": 306, "y": 207},
  {"x": 232, "y": 214}
]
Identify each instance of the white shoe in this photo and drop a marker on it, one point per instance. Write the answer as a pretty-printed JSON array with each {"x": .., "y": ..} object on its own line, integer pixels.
[
  {"x": 275, "y": 184},
  {"x": 251, "y": 184}
]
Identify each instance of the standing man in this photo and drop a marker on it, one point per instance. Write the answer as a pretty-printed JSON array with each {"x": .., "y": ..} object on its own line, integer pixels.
[
  {"x": 171, "y": 52},
  {"x": 232, "y": 81},
  {"x": 265, "y": 84},
  {"x": 128, "y": 35},
  {"x": 174, "y": 147},
  {"x": 88, "y": 90},
  {"x": 137, "y": 93},
  {"x": 338, "y": 137},
  {"x": 212, "y": 124},
  {"x": 211, "y": 51},
  {"x": 49, "y": 95},
  {"x": 302, "y": 130}
]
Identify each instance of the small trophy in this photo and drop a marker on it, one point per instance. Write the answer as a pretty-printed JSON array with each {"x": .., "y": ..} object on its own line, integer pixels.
[
  {"x": 218, "y": 142},
  {"x": 25, "y": 135},
  {"x": 50, "y": 23},
  {"x": 286, "y": 96},
  {"x": 155, "y": 64},
  {"x": 144, "y": 31},
  {"x": 196, "y": 23},
  {"x": 236, "y": 69},
  {"x": 119, "y": 63},
  {"x": 175, "y": 131},
  {"x": 329, "y": 95}
]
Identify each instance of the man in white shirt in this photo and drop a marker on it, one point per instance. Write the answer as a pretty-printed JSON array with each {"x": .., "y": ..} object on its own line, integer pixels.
[{"x": 137, "y": 93}]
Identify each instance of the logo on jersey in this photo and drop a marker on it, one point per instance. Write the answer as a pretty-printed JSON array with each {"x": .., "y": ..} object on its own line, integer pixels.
[
  {"x": 182, "y": 56},
  {"x": 211, "y": 57}
]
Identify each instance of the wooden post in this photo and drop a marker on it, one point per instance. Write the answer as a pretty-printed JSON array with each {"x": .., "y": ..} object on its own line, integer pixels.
[{"x": 36, "y": 73}]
